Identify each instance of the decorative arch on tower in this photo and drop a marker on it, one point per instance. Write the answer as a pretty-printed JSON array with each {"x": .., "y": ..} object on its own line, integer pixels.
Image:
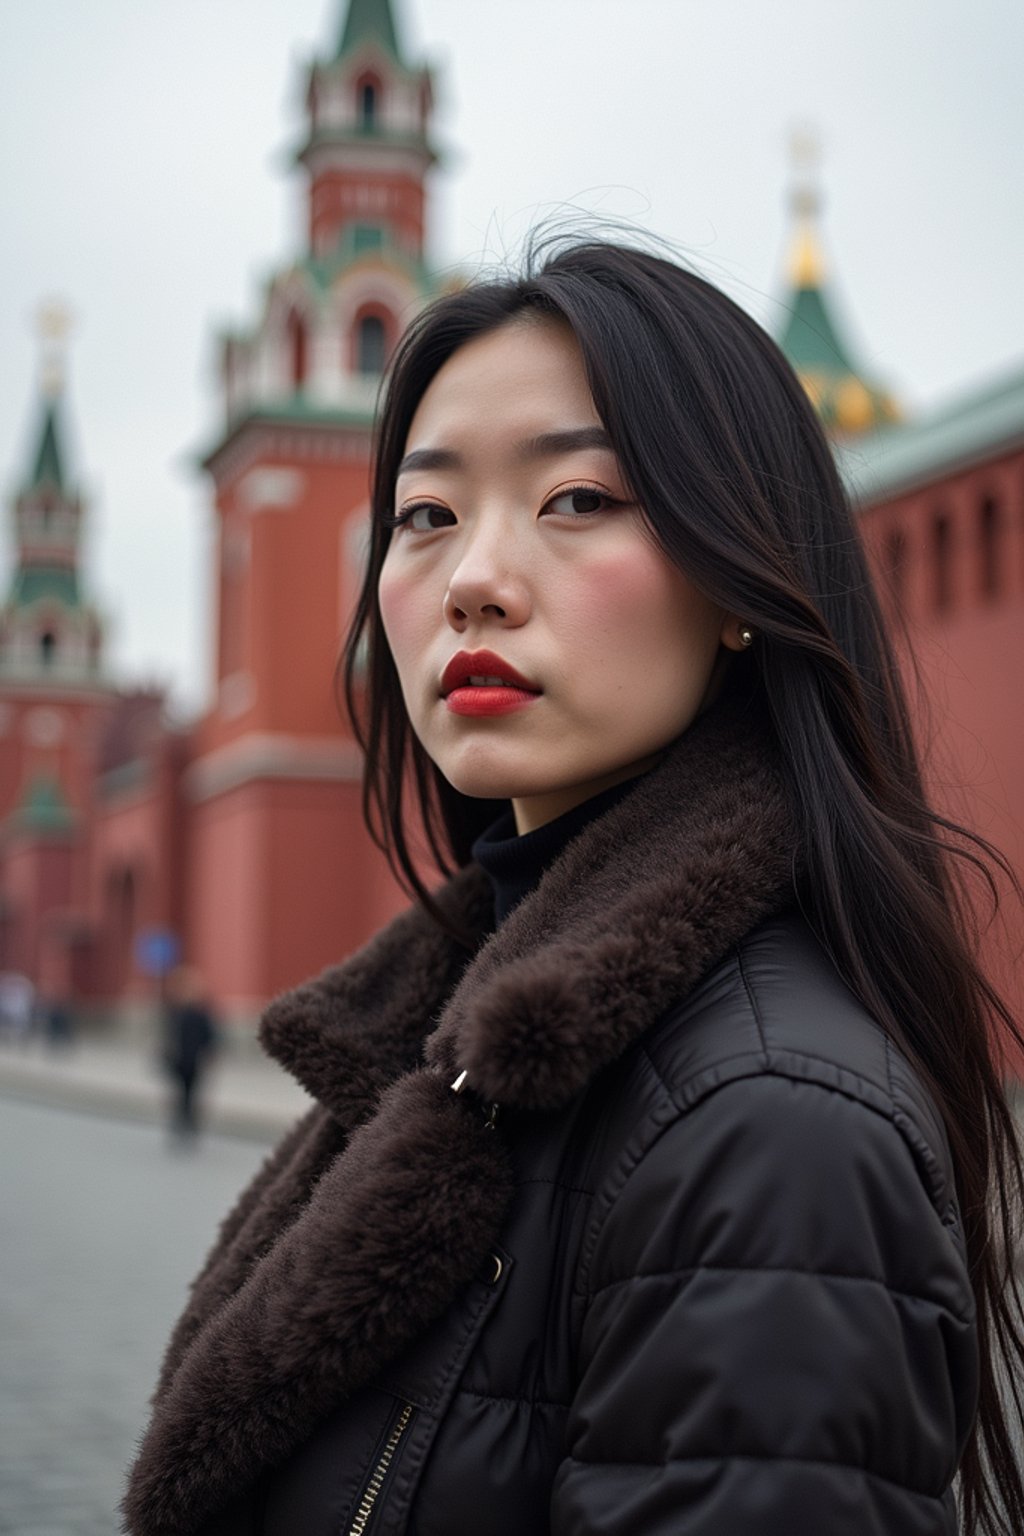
[
  {"x": 48, "y": 627},
  {"x": 369, "y": 93},
  {"x": 372, "y": 338},
  {"x": 296, "y": 330}
]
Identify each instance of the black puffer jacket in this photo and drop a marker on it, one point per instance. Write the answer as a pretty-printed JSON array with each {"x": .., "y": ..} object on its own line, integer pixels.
[{"x": 704, "y": 1274}]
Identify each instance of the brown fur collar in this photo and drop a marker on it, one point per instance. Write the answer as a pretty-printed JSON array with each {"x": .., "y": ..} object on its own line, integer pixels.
[{"x": 362, "y": 1227}]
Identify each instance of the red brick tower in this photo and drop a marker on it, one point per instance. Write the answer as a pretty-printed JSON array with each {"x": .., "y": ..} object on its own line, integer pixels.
[
  {"x": 54, "y": 698},
  {"x": 281, "y": 876}
]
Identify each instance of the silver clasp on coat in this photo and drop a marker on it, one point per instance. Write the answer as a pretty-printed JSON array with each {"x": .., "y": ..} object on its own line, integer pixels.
[{"x": 492, "y": 1112}]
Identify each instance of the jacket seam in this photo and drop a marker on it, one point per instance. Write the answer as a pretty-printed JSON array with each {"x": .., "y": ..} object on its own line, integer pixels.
[
  {"x": 920, "y": 1145},
  {"x": 517, "y": 1402},
  {"x": 619, "y": 1177},
  {"x": 800, "y": 1461},
  {"x": 888, "y": 1070},
  {"x": 785, "y": 1269},
  {"x": 771, "y": 1065},
  {"x": 568, "y": 1189},
  {"x": 754, "y": 1006}
]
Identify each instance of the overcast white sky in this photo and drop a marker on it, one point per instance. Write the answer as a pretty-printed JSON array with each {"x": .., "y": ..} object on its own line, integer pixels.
[{"x": 144, "y": 152}]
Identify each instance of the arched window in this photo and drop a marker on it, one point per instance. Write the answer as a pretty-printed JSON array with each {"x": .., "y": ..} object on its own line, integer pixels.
[
  {"x": 47, "y": 647},
  {"x": 942, "y": 575},
  {"x": 989, "y": 574},
  {"x": 368, "y": 96},
  {"x": 371, "y": 344},
  {"x": 297, "y": 350}
]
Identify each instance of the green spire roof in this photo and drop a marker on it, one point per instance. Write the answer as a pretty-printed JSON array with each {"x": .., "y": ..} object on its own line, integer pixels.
[
  {"x": 810, "y": 339},
  {"x": 369, "y": 21},
  {"x": 847, "y": 403},
  {"x": 34, "y": 583},
  {"x": 48, "y": 468},
  {"x": 43, "y": 807}
]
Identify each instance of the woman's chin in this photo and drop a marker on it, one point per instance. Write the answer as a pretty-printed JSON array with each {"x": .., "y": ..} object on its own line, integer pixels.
[
  {"x": 498, "y": 780},
  {"x": 482, "y": 786}
]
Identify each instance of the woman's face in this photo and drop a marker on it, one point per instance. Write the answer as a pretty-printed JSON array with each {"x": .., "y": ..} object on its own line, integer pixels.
[{"x": 520, "y": 540}]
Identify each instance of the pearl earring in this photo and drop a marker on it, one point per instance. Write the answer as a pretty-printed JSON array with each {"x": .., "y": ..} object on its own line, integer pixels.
[{"x": 746, "y": 636}]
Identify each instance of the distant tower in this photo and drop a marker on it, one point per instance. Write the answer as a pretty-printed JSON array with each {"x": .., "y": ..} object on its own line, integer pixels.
[
  {"x": 48, "y": 634},
  {"x": 53, "y": 698},
  {"x": 848, "y": 403},
  {"x": 367, "y": 152},
  {"x": 283, "y": 877}
]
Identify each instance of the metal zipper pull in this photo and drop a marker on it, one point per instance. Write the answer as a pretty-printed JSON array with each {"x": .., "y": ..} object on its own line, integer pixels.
[{"x": 371, "y": 1492}]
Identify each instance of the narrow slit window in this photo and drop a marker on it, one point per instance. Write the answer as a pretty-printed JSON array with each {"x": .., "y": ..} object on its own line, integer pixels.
[
  {"x": 370, "y": 346},
  {"x": 942, "y": 575},
  {"x": 896, "y": 566},
  {"x": 988, "y": 547},
  {"x": 298, "y": 350}
]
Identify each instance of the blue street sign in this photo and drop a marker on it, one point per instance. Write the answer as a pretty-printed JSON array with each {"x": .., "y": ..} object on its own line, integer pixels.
[{"x": 157, "y": 951}]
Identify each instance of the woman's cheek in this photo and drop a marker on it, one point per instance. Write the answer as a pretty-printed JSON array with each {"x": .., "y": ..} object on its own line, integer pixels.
[
  {"x": 619, "y": 601},
  {"x": 397, "y": 596},
  {"x": 647, "y": 635}
]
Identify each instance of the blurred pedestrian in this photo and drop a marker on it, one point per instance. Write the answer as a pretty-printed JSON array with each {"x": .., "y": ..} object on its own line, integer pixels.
[
  {"x": 190, "y": 1041},
  {"x": 58, "y": 1021},
  {"x": 17, "y": 1007}
]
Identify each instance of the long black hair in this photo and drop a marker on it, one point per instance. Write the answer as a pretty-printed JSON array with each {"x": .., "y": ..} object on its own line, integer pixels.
[{"x": 726, "y": 457}]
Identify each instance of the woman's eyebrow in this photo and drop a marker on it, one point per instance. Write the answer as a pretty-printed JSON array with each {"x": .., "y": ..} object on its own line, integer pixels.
[
  {"x": 544, "y": 446},
  {"x": 568, "y": 440},
  {"x": 430, "y": 458}
]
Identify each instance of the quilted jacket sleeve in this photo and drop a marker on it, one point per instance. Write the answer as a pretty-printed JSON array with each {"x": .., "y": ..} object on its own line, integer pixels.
[{"x": 778, "y": 1334}]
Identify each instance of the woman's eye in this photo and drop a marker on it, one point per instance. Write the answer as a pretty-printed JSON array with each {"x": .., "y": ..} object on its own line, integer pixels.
[
  {"x": 425, "y": 517},
  {"x": 580, "y": 501}
]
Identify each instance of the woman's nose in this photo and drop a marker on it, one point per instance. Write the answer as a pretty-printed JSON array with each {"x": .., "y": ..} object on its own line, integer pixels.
[{"x": 485, "y": 586}]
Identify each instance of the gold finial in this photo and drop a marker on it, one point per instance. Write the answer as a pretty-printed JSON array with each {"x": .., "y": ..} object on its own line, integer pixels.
[
  {"x": 53, "y": 323},
  {"x": 807, "y": 268}
]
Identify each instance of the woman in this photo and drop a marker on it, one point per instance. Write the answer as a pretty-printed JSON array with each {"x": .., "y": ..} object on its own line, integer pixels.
[{"x": 647, "y": 1189}]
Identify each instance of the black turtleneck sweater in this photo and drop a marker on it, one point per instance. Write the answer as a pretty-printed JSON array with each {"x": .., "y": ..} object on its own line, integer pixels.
[{"x": 514, "y": 864}]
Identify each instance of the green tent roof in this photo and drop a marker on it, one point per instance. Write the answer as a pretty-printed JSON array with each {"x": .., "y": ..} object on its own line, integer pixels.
[
  {"x": 43, "y": 807},
  {"x": 48, "y": 468},
  {"x": 846, "y": 401},
  {"x": 369, "y": 21},
  {"x": 34, "y": 582},
  {"x": 810, "y": 339}
]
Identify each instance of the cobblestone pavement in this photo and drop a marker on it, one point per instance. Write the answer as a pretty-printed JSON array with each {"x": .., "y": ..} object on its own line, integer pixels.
[{"x": 102, "y": 1225}]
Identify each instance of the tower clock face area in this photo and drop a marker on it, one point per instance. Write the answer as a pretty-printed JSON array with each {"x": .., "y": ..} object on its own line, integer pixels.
[{"x": 44, "y": 727}]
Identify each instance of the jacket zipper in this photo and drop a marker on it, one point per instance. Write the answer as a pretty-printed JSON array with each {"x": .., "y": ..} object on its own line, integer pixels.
[{"x": 380, "y": 1472}]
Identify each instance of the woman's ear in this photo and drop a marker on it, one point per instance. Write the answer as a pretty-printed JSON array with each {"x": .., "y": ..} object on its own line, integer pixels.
[{"x": 736, "y": 634}]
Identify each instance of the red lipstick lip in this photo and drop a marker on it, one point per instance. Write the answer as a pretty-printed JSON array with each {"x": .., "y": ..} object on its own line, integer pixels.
[{"x": 467, "y": 664}]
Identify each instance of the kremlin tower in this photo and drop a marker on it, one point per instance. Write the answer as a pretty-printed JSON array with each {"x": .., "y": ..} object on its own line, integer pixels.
[
  {"x": 849, "y": 404},
  {"x": 282, "y": 877},
  {"x": 54, "y": 700}
]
